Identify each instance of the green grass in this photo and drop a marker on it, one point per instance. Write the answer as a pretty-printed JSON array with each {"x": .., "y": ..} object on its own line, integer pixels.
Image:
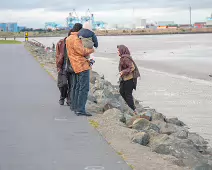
[
  {"x": 9, "y": 42},
  {"x": 131, "y": 166}
]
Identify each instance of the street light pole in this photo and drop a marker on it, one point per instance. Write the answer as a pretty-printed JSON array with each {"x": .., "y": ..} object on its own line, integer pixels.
[{"x": 190, "y": 14}]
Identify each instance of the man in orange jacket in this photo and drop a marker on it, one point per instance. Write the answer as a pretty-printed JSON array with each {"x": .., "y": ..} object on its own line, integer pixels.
[{"x": 81, "y": 67}]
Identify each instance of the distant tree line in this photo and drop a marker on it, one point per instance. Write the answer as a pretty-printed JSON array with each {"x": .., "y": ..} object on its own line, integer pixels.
[{"x": 39, "y": 30}]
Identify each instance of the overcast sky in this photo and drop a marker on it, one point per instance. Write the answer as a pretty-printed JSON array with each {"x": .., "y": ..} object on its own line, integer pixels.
[{"x": 34, "y": 13}]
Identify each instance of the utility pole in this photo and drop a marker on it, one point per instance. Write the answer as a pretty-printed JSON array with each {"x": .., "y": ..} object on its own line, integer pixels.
[
  {"x": 133, "y": 19},
  {"x": 190, "y": 15}
]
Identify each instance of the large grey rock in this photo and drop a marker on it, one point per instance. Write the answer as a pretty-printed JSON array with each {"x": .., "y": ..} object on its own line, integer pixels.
[
  {"x": 203, "y": 167},
  {"x": 158, "y": 116},
  {"x": 113, "y": 114},
  {"x": 146, "y": 115},
  {"x": 167, "y": 128},
  {"x": 125, "y": 118},
  {"x": 182, "y": 134},
  {"x": 100, "y": 96},
  {"x": 91, "y": 97},
  {"x": 143, "y": 124},
  {"x": 141, "y": 138},
  {"x": 184, "y": 150},
  {"x": 175, "y": 121},
  {"x": 111, "y": 103},
  {"x": 157, "y": 139},
  {"x": 93, "y": 76},
  {"x": 99, "y": 84},
  {"x": 93, "y": 108},
  {"x": 108, "y": 92},
  {"x": 130, "y": 121},
  {"x": 197, "y": 139},
  {"x": 199, "y": 142},
  {"x": 139, "y": 107}
]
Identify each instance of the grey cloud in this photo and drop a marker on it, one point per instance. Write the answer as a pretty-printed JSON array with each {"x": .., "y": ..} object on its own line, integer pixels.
[{"x": 97, "y": 5}]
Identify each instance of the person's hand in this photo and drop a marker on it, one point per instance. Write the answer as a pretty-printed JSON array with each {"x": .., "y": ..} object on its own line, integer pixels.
[{"x": 121, "y": 73}]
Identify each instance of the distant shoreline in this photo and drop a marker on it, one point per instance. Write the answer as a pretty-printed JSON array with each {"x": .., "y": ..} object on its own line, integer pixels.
[
  {"x": 4, "y": 35},
  {"x": 156, "y": 34}
]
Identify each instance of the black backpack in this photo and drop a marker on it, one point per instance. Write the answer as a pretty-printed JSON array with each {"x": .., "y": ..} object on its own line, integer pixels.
[{"x": 68, "y": 66}]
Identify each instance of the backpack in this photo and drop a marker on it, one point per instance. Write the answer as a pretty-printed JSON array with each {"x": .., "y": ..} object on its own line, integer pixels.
[
  {"x": 68, "y": 66},
  {"x": 63, "y": 56}
]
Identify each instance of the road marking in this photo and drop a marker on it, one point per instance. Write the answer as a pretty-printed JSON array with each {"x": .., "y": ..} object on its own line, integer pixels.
[
  {"x": 94, "y": 168},
  {"x": 59, "y": 119}
]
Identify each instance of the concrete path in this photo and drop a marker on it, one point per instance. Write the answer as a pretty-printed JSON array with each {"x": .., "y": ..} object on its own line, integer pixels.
[{"x": 35, "y": 132}]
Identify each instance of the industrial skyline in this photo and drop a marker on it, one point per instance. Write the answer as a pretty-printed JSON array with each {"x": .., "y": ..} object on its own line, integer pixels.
[
  {"x": 178, "y": 12},
  {"x": 136, "y": 22}
]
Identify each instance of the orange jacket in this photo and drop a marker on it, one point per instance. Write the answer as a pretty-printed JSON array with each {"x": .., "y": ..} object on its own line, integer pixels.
[{"x": 77, "y": 52}]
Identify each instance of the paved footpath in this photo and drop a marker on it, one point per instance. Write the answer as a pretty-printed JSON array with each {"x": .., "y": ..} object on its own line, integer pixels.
[{"x": 35, "y": 132}]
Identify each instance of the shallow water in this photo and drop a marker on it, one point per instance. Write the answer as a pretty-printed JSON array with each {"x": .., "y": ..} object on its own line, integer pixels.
[{"x": 175, "y": 80}]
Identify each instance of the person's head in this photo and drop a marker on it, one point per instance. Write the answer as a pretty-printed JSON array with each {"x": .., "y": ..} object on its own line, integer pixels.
[
  {"x": 77, "y": 27},
  {"x": 69, "y": 33},
  {"x": 122, "y": 50},
  {"x": 87, "y": 25}
]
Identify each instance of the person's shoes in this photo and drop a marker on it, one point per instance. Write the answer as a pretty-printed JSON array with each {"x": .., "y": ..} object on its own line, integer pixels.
[
  {"x": 68, "y": 103},
  {"x": 61, "y": 102},
  {"x": 72, "y": 109},
  {"x": 83, "y": 114}
]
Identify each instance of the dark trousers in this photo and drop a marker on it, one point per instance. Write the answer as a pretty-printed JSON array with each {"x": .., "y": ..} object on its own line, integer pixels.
[
  {"x": 63, "y": 85},
  {"x": 72, "y": 87},
  {"x": 81, "y": 90},
  {"x": 126, "y": 90}
]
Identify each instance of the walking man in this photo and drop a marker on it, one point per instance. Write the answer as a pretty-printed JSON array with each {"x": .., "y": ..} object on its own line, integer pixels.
[{"x": 63, "y": 74}]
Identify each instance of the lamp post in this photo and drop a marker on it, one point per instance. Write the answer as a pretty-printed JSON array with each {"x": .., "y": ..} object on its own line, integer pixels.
[{"x": 190, "y": 15}]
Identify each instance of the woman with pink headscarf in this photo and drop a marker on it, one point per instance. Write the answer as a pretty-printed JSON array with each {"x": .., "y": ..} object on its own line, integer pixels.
[{"x": 128, "y": 76}]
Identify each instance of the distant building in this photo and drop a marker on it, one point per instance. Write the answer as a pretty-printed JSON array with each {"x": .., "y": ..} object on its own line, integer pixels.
[
  {"x": 112, "y": 26},
  {"x": 143, "y": 23},
  {"x": 162, "y": 27},
  {"x": 165, "y": 23},
  {"x": 73, "y": 18},
  {"x": 3, "y": 27},
  {"x": 20, "y": 28},
  {"x": 9, "y": 27},
  {"x": 150, "y": 26},
  {"x": 209, "y": 21},
  {"x": 184, "y": 25},
  {"x": 199, "y": 24},
  {"x": 12, "y": 27},
  {"x": 52, "y": 26},
  {"x": 167, "y": 27},
  {"x": 140, "y": 23}
]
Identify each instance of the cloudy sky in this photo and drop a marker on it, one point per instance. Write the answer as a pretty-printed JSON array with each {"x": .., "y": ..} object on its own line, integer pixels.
[{"x": 34, "y": 13}]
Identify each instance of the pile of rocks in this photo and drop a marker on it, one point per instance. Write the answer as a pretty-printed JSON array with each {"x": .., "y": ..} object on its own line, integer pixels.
[
  {"x": 45, "y": 57},
  {"x": 153, "y": 129}
]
